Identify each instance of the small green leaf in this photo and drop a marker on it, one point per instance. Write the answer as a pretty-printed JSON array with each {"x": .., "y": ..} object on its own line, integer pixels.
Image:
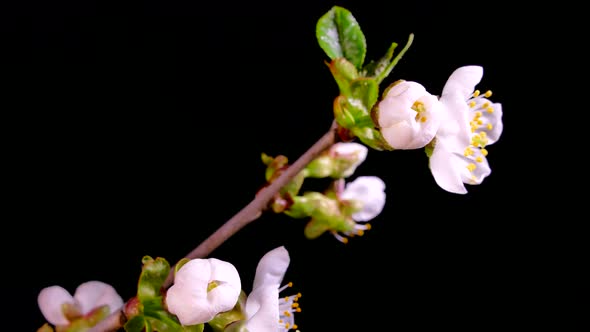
[
  {"x": 380, "y": 77},
  {"x": 153, "y": 275},
  {"x": 342, "y": 114},
  {"x": 365, "y": 90},
  {"x": 344, "y": 73},
  {"x": 194, "y": 328},
  {"x": 340, "y": 35},
  {"x": 135, "y": 324},
  {"x": 374, "y": 69}
]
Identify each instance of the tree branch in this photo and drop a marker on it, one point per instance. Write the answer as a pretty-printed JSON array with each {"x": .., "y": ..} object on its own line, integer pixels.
[{"x": 246, "y": 215}]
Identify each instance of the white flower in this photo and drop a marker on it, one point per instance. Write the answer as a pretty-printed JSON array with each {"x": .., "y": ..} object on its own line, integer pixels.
[
  {"x": 366, "y": 195},
  {"x": 87, "y": 297},
  {"x": 203, "y": 288},
  {"x": 370, "y": 192},
  {"x": 469, "y": 123},
  {"x": 265, "y": 311},
  {"x": 408, "y": 116},
  {"x": 353, "y": 153}
]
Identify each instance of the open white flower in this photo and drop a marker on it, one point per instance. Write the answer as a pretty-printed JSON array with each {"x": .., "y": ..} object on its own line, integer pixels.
[
  {"x": 407, "y": 116},
  {"x": 470, "y": 122},
  {"x": 265, "y": 311},
  {"x": 87, "y": 297},
  {"x": 203, "y": 288},
  {"x": 366, "y": 195}
]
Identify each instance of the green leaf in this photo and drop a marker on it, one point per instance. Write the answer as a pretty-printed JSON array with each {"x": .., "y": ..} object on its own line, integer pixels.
[
  {"x": 380, "y": 77},
  {"x": 151, "y": 280},
  {"x": 135, "y": 324},
  {"x": 374, "y": 69},
  {"x": 194, "y": 328},
  {"x": 342, "y": 114},
  {"x": 340, "y": 35},
  {"x": 364, "y": 91},
  {"x": 344, "y": 73}
]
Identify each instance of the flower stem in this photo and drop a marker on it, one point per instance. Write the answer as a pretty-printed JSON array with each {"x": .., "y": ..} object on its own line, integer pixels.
[{"x": 246, "y": 215}]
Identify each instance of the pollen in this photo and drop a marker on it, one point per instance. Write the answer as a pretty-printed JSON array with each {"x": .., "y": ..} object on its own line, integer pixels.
[
  {"x": 472, "y": 104},
  {"x": 468, "y": 152},
  {"x": 476, "y": 93},
  {"x": 471, "y": 167},
  {"x": 490, "y": 110},
  {"x": 484, "y": 152},
  {"x": 478, "y": 114},
  {"x": 488, "y": 94},
  {"x": 479, "y": 122},
  {"x": 485, "y": 105},
  {"x": 368, "y": 226},
  {"x": 479, "y": 159},
  {"x": 489, "y": 126},
  {"x": 360, "y": 232}
]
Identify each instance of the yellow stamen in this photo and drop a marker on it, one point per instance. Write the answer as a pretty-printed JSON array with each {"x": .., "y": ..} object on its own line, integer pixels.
[
  {"x": 485, "y": 105},
  {"x": 294, "y": 326},
  {"x": 478, "y": 114},
  {"x": 286, "y": 313},
  {"x": 360, "y": 232},
  {"x": 484, "y": 152},
  {"x": 479, "y": 159},
  {"x": 490, "y": 110},
  {"x": 471, "y": 167},
  {"x": 479, "y": 122},
  {"x": 423, "y": 119},
  {"x": 490, "y": 126},
  {"x": 468, "y": 152},
  {"x": 482, "y": 134},
  {"x": 294, "y": 305},
  {"x": 368, "y": 226},
  {"x": 488, "y": 94},
  {"x": 345, "y": 240},
  {"x": 475, "y": 93},
  {"x": 472, "y": 104},
  {"x": 290, "y": 284},
  {"x": 298, "y": 310}
]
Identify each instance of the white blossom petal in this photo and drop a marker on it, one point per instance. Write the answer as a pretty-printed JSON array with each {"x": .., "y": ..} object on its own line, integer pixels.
[
  {"x": 370, "y": 190},
  {"x": 93, "y": 294},
  {"x": 444, "y": 165},
  {"x": 271, "y": 268},
  {"x": 262, "y": 309},
  {"x": 350, "y": 150},
  {"x": 463, "y": 81},
  {"x": 188, "y": 297},
  {"x": 50, "y": 302}
]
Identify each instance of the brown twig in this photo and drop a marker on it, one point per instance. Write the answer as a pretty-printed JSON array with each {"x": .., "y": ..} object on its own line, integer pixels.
[{"x": 246, "y": 215}]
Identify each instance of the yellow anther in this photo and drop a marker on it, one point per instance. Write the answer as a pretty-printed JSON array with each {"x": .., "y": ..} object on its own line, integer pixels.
[
  {"x": 287, "y": 298},
  {"x": 360, "y": 232},
  {"x": 298, "y": 310},
  {"x": 281, "y": 321},
  {"x": 485, "y": 105},
  {"x": 488, "y": 94},
  {"x": 287, "y": 326},
  {"x": 482, "y": 134},
  {"x": 479, "y": 122},
  {"x": 294, "y": 326},
  {"x": 294, "y": 305},
  {"x": 489, "y": 126},
  {"x": 298, "y": 296},
  {"x": 472, "y": 104},
  {"x": 286, "y": 313},
  {"x": 479, "y": 159},
  {"x": 475, "y": 93},
  {"x": 484, "y": 152},
  {"x": 344, "y": 240},
  {"x": 471, "y": 167},
  {"x": 368, "y": 226},
  {"x": 490, "y": 109},
  {"x": 468, "y": 152},
  {"x": 478, "y": 115},
  {"x": 423, "y": 119}
]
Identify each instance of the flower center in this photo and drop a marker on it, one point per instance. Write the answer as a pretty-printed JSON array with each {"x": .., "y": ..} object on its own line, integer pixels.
[{"x": 420, "y": 109}]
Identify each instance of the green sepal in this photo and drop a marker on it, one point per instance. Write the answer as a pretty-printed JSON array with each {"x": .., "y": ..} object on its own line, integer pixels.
[
  {"x": 340, "y": 36},
  {"x": 372, "y": 138},
  {"x": 237, "y": 313},
  {"x": 153, "y": 274}
]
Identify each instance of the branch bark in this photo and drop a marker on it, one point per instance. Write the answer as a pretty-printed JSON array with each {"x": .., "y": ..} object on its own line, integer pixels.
[{"x": 245, "y": 216}]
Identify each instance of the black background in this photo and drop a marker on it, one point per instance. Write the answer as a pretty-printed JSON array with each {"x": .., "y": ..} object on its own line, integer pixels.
[{"x": 137, "y": 129}]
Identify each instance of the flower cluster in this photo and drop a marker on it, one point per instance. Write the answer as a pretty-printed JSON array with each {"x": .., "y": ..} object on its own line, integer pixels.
[{"x": 455, "y": 128}]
